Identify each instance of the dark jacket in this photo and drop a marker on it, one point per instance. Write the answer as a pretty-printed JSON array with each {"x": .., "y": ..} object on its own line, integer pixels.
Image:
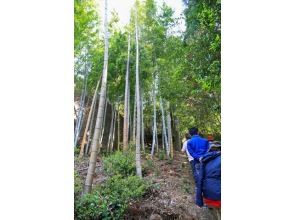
[
  {"x": 209, "y": 180},
  {"x": 197, "y": 146}
]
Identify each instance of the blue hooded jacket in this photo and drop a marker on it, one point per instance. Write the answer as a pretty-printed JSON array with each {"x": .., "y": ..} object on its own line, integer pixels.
[
  {"x": 209, "y": 179},
  {"x": 197, "y": 146}
]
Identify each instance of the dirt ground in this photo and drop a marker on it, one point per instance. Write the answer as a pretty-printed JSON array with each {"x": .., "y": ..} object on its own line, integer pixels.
[{"x": 172, "y": 196}]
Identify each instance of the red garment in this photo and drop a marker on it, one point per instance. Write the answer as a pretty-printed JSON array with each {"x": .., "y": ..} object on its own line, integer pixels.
[
  {"x": 212, "y": 203},
  {"x": 210, "y": 137}
]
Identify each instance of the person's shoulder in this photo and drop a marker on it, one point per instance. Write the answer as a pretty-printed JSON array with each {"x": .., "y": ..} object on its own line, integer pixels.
[{"x": 204, "y": 139}]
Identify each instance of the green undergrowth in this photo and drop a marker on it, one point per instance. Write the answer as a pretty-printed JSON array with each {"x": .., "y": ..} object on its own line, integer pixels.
[
  {"x": 78, "y": 185},
  {"x": 76, "y": 151},
  {"x": 111, "y": 199},
  {"x": 120, "y": 163}
]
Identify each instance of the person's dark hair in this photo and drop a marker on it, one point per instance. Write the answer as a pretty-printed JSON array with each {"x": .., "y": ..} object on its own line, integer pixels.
[
  {"x": 193, "y": 131},
  {"x": 187, "y": 136}
]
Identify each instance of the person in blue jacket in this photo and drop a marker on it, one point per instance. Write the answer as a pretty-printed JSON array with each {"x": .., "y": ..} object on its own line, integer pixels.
[{"x": 197, "y": 147}]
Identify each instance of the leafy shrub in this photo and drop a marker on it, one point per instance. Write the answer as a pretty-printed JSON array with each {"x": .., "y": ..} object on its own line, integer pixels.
[
  {"x": 96, "y": 206},
  {"x": 78, "y": 184},
  {"x": 161, "y": 155},
  {"x": 125, "y": 188},
  {"x": 120, "y": 163},
  {"x": 110, "y": 200},
  {"x": 76, "y": 151},
  {"x": 150, "y": 164},
  {"x": 87, "y": 207},
  {"x": 132, "y": 146}
]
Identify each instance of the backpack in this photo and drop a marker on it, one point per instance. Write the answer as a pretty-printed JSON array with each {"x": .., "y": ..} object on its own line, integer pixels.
[{"x": 209, "y": 179}]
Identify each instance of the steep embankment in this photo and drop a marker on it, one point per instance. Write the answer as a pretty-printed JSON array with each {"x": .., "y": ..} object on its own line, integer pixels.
[{"x": 172, "y": 194}]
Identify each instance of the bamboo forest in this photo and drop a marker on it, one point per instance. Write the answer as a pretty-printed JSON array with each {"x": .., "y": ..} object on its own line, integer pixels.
[{"x": 147, "y": 110}]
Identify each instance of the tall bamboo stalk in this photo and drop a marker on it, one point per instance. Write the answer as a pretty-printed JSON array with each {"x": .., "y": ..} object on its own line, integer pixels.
[
  {"x": 103, "y": 123},
  {"x": 91, "y": 126},
  {"x": 111, "y": 129},
  {"x": 164, "y": 136},
  {"x": 95, "y": 146},
  {"x": 154, "y": 119},
  {"x": 113, "y": 132},
  {"x": 130, "y": 124},
  {"x": 138, "y": 153},
  {"x": 142, "y": 122},
  {"x": 134, "y": 117},
  {"x": 176, "y": 131},
  {"x": 118, "y": 128},
  {"x": 169, "y": 132},
  {"x": 127, "y": 102}
]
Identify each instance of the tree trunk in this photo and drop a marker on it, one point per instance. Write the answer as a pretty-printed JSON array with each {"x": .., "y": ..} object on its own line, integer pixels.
[
  {"x": 103, "y": 123},
  {"x": 154, "y": 120},
  {"x": 142, "y": 121},
  {"x": 118, "y": 128},
  {"x": 95, "y": 146},
  {"x": 89, "y": 119},
  {"x": 127, "y": 103},
  {"x": 113, "y": 132},
  {"x": 111, "y": 129},
  {"x": 169, "y": 131},
  {"x": 91, "y": 126},
  {"x": 138, "y": 153},
  {"x": 134, "y": 117},
  {"x": 130, "y": 124},
  {"x": 164, "y": 136},
  {"x": 156, "y": 139},
  {"x": 176, "y": 132}
]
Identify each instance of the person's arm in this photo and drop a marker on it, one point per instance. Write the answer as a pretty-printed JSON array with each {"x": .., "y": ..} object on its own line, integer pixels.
[
  {"x": 199, "y": 185},
  {"x": 207, "y": 146},
  {"x": 184, "y": 146}
]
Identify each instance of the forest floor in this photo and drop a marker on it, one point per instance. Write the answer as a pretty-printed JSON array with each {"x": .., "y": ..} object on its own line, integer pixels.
[{"x": 172, "y": 195}]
